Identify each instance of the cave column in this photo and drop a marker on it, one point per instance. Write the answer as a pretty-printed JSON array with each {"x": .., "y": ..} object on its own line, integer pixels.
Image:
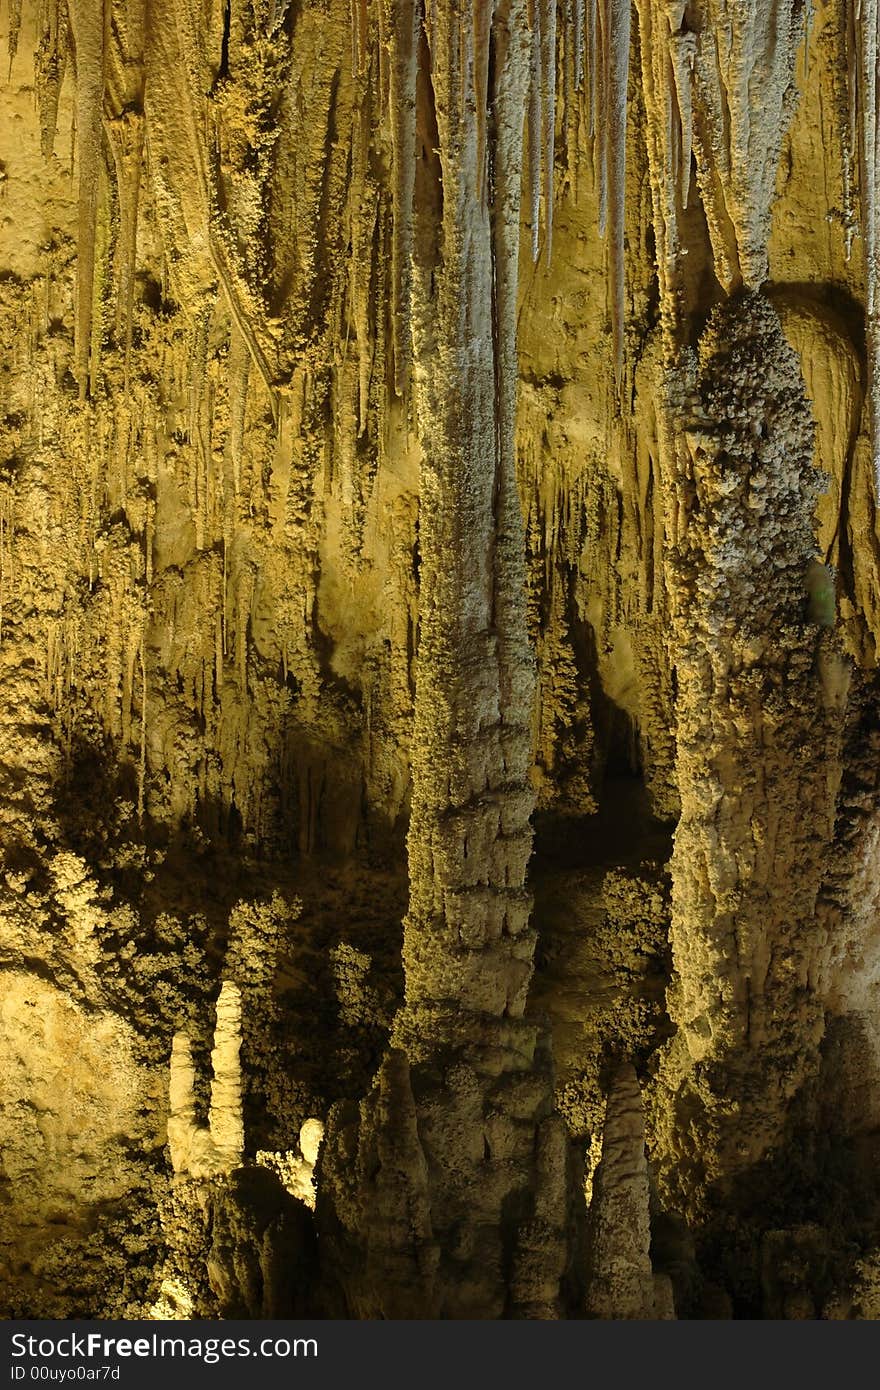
[
  {"x": 457, "y": 1148},
  {"x": 762, "y": 692},
  {"x": 761, "y": 688}
]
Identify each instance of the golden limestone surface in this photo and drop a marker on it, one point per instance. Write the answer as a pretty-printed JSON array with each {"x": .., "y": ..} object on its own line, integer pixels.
[{"x": 439, "y": 620}]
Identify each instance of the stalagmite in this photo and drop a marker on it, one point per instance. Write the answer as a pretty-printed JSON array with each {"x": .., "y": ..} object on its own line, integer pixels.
[
  {"x": 224, "y": 1117},
  {"x": 621, "y": 1280},
  {"x": 297, "y": 1170},
  {"x": 182, "y": 1128},
  {"x": 740, "y": 943},
  {"x": 197, "y": 1151}
]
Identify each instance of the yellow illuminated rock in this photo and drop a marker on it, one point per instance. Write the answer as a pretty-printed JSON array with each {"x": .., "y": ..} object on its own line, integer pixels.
[{"x": 439, "y": 618}]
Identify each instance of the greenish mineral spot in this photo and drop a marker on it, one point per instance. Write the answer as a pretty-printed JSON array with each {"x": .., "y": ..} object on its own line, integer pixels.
[{"x": 822, "y": 599}]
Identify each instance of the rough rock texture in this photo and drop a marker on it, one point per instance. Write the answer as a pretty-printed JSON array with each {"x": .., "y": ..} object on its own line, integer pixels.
[
  {"x": 762, "y": 692},
  {"x": 438, "y": 637},
  {"x": 470, "y": 1159},
  {"x": 620, "y": 1282}
]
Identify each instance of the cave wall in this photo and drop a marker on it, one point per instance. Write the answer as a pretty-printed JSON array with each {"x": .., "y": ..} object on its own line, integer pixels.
[{"x": 420, "y": 424}]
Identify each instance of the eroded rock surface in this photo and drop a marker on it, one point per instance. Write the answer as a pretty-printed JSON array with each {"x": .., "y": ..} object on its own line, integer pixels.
[{"x": 438, "y": 637}]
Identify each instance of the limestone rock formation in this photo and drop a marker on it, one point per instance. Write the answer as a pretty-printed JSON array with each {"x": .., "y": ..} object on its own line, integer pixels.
[
  {"x": 621, "y": 1278},
  {"x": 197, "y": 1151},
  {"x": 760, "y": 681},
  {"x": 439, "y": 628}
]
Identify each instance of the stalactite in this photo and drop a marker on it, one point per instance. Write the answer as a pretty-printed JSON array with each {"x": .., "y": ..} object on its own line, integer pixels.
[
  {"x": 7, "y": 550},
  {"x": 845, "y": 111},
  {"x": 239, "y": 364},
  {"x": 682, "y": 50},
  {"x": 744, "y": 69},
  {"x": 14, "y": 30},
  {"x": 124, "y": 127},
  {"x": 364, "y": 356},
  {"x": 548, "y": 114},
  {"x": 569, "y": 104},
  {"x": 127, "y": 141},
  {"x": 864, "y": 101},
  {"x": 50, "y": 63},
  {"x": 590, "y": 43},
  {"x": 673, "y": 133},
  {"x": 404, "y": 65},
  {"x": 482, "y": 30},
  {"x": 535, "y": 117},
  {"x": 515, "y": 657},
  {"x": 197, "y": 429},
  {"x": 88, "y": 25},
  {"x": 809, "y": 15},
  {"x": 602, "y": 97},
  {"x": 658, "y": 77},
  {"x": 359, "y": 36},
  {"x": 618, "y": 22},
  {"x": 577, "y": 39},
  {"x": 203, "y": 249},
  {"x": 600, "y": 37}
]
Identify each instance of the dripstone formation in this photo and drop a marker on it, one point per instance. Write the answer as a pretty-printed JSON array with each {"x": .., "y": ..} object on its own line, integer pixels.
[{"x": 439, "y": 618}]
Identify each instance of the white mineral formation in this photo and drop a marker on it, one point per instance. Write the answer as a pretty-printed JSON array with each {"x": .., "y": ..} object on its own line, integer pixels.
[
  {"x": 296, "y": 1169},
  {"x": 198, "y": 1151}
]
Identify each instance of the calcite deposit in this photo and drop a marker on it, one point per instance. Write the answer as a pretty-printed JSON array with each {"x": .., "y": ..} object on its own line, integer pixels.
[{"x": 439, "y": 621}]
